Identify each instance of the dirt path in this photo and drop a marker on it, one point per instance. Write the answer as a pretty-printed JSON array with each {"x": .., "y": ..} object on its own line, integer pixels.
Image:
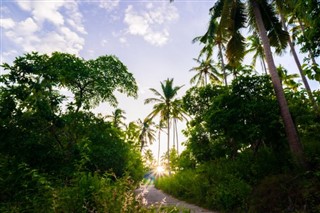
[{"x": 155, "y": 197}]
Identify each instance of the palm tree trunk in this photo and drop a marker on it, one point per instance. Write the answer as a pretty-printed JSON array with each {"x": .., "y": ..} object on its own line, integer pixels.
[
  {"x": 173, "y": 134},
  {"x": 177, "y": 139},
  {"x": 223, "y": 65},
  {"x": 290, "y": 129},
  {"x": 168, "y": 123},
  {"x": 296, "y": 59},
  {"x": 263, "y": 63},
  {"x": 159, "y": 136}
]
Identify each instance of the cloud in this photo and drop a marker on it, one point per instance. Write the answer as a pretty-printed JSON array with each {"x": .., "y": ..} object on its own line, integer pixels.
[
  {"x": 7, "y": 23},
  {"x": 152, "y": 23},
  {"x": 49, "y": 26},
  {"x": 109, "y": 5},
  {"x": 44, "y": 11}
]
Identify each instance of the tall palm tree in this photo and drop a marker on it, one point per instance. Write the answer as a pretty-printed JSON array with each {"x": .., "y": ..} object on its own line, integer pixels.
[
  {"x": 178, "y": 113},
  {"x": 262, "y": 27},
  {"x": 117, "y": 118},
  {"x": 147, "y": 133},
  {"x": 163, "y": 104},
  {"x": 205, "y": 71},
  {"x": 284, "y": 9},
  {"x": 160, "y": 128},
  {"x": 263, "y": 20}
]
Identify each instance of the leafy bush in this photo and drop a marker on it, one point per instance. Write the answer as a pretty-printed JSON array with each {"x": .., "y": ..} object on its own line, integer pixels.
[
  {"x": 95, "y": 193},
  {"x": 285, "y": 192},
  {"x": 23, "y": 189}
]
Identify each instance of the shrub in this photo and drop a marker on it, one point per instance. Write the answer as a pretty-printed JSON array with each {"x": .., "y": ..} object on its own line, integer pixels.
[
  {"x": 95, "y": 193},
  {"x": 286, "y": 193}
]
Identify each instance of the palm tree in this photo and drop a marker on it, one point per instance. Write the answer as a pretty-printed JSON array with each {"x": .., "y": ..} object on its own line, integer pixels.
[
  {"x": 163, "y": 104},
  {"x": 288, "y": 79},
  {"x": 147, "y": 134},
  {"x": 160, "y": 127},
  {"x": 205, "y": 71},
  {"x": 257, "y": 15},
  {"x": 263, "y": 20},
  {"x": 256, "y": 47},
  {"x": 212, "y": 37},
  {"x": 285, "y": 10},
  {"x": 117, "y": 118},
  {"x": 178, "y": 113}
]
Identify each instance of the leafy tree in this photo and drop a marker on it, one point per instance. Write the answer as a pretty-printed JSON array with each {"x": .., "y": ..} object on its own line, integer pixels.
[
  {"x": 44, "y": 147},
  {"x": 93, "y": 81}
]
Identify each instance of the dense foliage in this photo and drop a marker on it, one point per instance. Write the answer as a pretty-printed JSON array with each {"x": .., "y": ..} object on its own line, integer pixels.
[
  {"x": 237, "y": 157},
  {"x": 57, "y": 156}
]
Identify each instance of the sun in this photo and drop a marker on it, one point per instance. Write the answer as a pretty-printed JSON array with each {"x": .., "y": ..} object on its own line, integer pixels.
[{"x": 160, "y": 170}]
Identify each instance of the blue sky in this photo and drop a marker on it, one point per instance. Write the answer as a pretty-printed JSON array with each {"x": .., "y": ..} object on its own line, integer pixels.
[{"x": 152, "y": 38}]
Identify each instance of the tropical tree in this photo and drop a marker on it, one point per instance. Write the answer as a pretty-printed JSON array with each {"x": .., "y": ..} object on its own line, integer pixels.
[
  {"x": 163, "y": 104},
  {"x": 287, "y": 80},
  {"x": 213, "y": 37},
  {"x": 178, "y": 114},
  {"x": 117, "y": 118},
  {"x": 147, "y": 133},
  {"x": 256, "y": 47},
  {"x": 92, "y": 81},
  {"x": 284, "y": 9},
  {"x": 205, "y": 71},
  {"x": 160, "y": 128},
  {"x": 262, "y": 19}
]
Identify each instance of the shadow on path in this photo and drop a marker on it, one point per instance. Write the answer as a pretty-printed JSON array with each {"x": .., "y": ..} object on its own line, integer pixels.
[{"x": 154, "y": 197}]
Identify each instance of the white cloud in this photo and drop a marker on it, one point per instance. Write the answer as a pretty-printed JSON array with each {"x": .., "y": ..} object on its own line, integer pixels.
[
  {"x": 104, "y": 42},
  {"x": 123, "y": 40},
  {"x": 109, "y": 5},
  {"x": 7, "y": 23},
  {"x": 51, "y": 26},
  {"x": 152, "y": 23},
  {"x": 48, "y": 11}
]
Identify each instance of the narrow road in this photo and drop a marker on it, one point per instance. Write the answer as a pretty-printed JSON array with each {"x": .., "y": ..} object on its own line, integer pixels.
[{"x": 154, "y": 197}]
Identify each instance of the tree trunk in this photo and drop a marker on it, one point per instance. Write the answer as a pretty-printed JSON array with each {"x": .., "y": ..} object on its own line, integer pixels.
[
  {"x": 177, "y": 139},
  {"x": 159, "y": 136},
  {"x": 264, "y": 66},
  {"x": 296, "y": 59},
  {"x": 223, "y": 65},
  {"x": 168, "y": 123},
  {"x": 290, "y": 129}
]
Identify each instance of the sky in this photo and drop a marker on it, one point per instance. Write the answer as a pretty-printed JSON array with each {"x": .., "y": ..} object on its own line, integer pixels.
[{"x": 153, "y": 38}]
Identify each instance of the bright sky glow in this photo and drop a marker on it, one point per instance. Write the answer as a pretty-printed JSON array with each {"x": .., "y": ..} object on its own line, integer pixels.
[{"x": 152, "y": 38}]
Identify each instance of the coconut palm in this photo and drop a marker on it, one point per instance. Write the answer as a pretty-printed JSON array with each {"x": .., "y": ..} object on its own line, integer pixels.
[
  {"x": 205, "y": 71},
  {"x": 285, "y": 10},
  {"x": 147, "y": 134},
  {"x": 117, "y": 118},
  {"x": 256, "y": 47},
  {"x": 160, "y": 128},
  {"x": 163, "y": 104},
  {"x": 287, "y": 80},
  {"x": 178, "y": 114},
  {"x": 263, "y": 20},
  {"x": 213, "y": 37}
]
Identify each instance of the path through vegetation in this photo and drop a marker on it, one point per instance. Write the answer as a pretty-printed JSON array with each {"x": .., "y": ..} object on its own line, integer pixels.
[{"x": 154, "y": 197}]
